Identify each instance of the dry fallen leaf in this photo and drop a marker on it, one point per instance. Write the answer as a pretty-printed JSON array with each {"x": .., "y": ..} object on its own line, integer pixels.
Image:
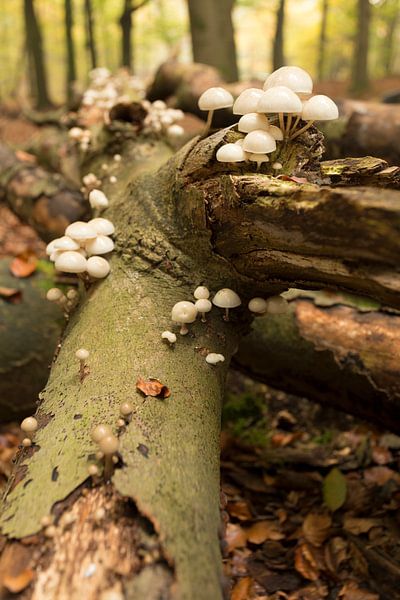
[
  {"x": 17, "y": 583},
  {"x": 351, "y": 591},
  {"x": 358, "y": 526},
  {"x": 153, "y": 387},
  {"x": 316, "y": 528},
  {"x": 240, "y": 510},
  {"x": 26, "y": 156},
  {"x": 381, "y": 475},
  {"x": 306, "y": 563},
  {"x": 235, "y": 537},
  {"x": 262, "y": 531},
  {"x": 23, "y": 265},
  {"x": 335, "y": 552},
  {"x": 11, "y": 295},
  {"x": 241, "y": 590}
]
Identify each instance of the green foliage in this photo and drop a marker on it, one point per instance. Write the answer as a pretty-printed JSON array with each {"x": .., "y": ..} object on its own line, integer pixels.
[
  {"x": 245, "y": 417},
  {"x": 334, "y": 488}
]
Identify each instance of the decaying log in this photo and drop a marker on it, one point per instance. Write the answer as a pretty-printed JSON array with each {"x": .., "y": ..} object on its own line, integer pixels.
[
  {"x": 191, "y": 221},
  {"x": 47, "y": 202},
  {"x": 335, "y": 355}
]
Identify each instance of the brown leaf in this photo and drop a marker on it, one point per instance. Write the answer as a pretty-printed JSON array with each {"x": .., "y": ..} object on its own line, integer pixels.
[
  {"x": 316, "y": 528},
  {"x": 381, "y": 456},
  {"x": 25, "y": 156},
  {"x": 351, "y": 591},
  {"x": 262, "y": 531},
  {"x": 335, "y": 552},
  {"x": 11, "y": 295},
  {"x": 241, "y": 590},
  {"x": 381, "y": 475},
  {"x": 17, "y": 583},
  {"x": 153, "y": 387},
  {"x": 240, "y": 510},
  {"x": 235, "y": 537},
  {"x": 358, "y": 526},
  {"x": 293, "y": 178},
  {"x": 23, "y": 265},
  {"x": 306, "y": 563},
  {"x": 282, "y": 439}
]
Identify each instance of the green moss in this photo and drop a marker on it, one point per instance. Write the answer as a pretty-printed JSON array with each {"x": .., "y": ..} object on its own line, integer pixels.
[{"x": 245, "y": 417}]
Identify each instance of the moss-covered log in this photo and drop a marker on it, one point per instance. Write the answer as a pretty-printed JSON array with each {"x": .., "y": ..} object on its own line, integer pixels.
[{"x": 192, "y": 221}]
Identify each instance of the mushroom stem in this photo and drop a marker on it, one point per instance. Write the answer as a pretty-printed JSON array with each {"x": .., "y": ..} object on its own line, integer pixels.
[
  {"x": 203, "y": 317},
  {"x": 293, "y": 127},
  {"x": 108, "y": 467},
  {"x": 184, "y": 329},
  {"x": 226, "y": 316},
  {"x": 208, "y": 123},
  {"x": 302, "y": 130},
  {"x": 281, "y": 122},
  {"x": 288, "y": 125}
]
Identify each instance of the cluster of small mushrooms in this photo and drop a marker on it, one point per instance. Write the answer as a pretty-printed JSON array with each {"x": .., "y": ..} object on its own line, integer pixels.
[
  {"x": 186, "y": 312},
  {"x": 281, "y": 111}
]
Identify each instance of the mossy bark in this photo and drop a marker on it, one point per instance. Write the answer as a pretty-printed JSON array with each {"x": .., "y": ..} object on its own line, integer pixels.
[{"x": 193, "y": 221}]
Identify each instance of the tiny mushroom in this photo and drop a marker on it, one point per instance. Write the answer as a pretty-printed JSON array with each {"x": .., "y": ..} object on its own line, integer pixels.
[
  {"x": 231, "y": 153},
  {"x": 82, "y": 354},
  {"x": 70, "y": 262},
  {"x": 80, "y": 231},
  {"x": 29, "y": 426},
  {"x": 108, "y": 445},
  {"x": 259, "y": 142},
  {"x": 98, "y": 200},
  {"x": 56, "y": 295},
  {"x": 213, "y": 358},
  {"x": 100, "y": 431},
  {"x": 252, "y": 121},
  {"x": 184, "y": 312},
  {"x": 97, "y": 267},
  {"x": 281, "y": 100},
  {"x": 258, "y": 306},
  {"x": 102, "y": 226},
  {"x": 226, "y": 298},
  {"x": 317, "y": 108},
  {"x": 213, "y": 99},
  {"x": 247, "y": 101},
  {"x": 175, "y": 131},
  {"x": 126, "y": 408},
  {"x": 277, "y": 305},
  {"x": 101, "y": 245},
  {"x": 169, "y": 337},
  {"x": 201, "y": 292},
  {"x": 204, "y": 306}
]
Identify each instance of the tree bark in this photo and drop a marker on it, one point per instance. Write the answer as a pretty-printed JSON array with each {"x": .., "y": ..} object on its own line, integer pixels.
[
  {"x": 90, "y": 34},
  {"x": 322, "y": 40},
  {"x": 360, "y": 76},
  {"x": 221, "y": 226},
  {"x": 126, "y": 32},
  {"x": 213, "y": 41},
  {"x": 71, "y": 67},
  {"x": 278, "y": 55},
  {"x": 335, "y": 355},
  {"x": 34, "y": 46}
]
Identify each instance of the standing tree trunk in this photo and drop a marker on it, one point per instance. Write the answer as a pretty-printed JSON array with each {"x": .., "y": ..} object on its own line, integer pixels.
[
  {"x": 360, "y": 79},
  {"x": 278, "y": 54},
  {"x": 388, "y": 46},
  {"x": 126, "y": 30},
  {"x": 213, "y": 40},
  {"x": 322, "y": 41},
  {"x": 90, "y": 36},
  {"x": 34, "y": 47},
  {"x": 71, "y": 66}
]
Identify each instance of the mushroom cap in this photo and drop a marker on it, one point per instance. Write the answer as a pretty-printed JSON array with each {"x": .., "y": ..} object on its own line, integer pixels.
[
  {"x": 100, "y": 431},
  {"x": 226, "y": 298},
  {"x": 51, "y": 246},
  {"x": 100, "y": 245},
  {"x": 102, "y": 226},
  {"x": 247, "y": 101},
  {"x": 98, "y": 199},
  {"x": 276, "y": 132},
  {"x": 29, "y": 424},
  {"x": 258, "y": 305},
  {"x": 109, "y": 444},
  {"x": 203, "y": 305},
  {"x": 231, "y": 153},
  {"x": 276, "y": 305},
  {"x": 175, "y": 131},
  {"x": 201, "y": 292},
  {"x": 295, "y": 78},
  {"x": 252, "y": 121},
  {"x": 184, "y": 312},
  {"x": 279, "y": 99},
  {"x": 82, "y": 354},
  {"x": 213, "y": 358},
  {"x": 54, "y": 294},
  {"x": 126, "y": 408},
  {"x": 215, "y": 98},
  {"x": 319, "y": 108},
  {"x": 98, "y": 267},
  {"x": 259, "y": 142},
  {"x": 80, "y": 231},
  {"x": 71, "y": 262},
  {"x": 168, "y": 335},
  {"x": 258, "y": 158},
  {"x": 66, "y": 243}
]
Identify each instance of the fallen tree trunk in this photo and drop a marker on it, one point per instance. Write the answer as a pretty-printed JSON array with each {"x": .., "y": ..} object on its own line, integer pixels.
[
  {"x": 193, "y": 221},
  {"x": 335, "y": 355}
]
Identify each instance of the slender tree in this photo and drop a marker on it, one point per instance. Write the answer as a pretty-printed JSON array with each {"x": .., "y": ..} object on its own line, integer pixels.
[
  {"x": 213, "y": 40},
  {"x": 322, "y": 40},
  {"x": 34, "y": 46},
  {"x": 90, "y": 35},
  {"x": 360, "y": 79},
  {"x": 71, "y": 65},
  {"x": 391, "y": 20},
  {"x": 278, "y": 55},
  {"x": 126, "y": 28}
]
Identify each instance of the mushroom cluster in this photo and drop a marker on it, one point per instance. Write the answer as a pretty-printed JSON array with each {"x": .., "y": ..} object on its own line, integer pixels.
[
  {"x": 283, "y": 110},
  {"x": 162, "y": 119},
  {"x": 274, "y": 305},
  {"x": 108, "y": 446},
  {"x": 81, "y": 250}
]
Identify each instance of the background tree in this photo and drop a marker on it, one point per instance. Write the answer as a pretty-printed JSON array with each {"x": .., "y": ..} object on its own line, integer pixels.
[
  {"x": 360, "y": 77},
  {"x": 34, "y": 46},
  {"x": 278, "y": 55},
  {"x": 322, "y": 40},
  {"x": 71, "y": 65},
  {"x": 213, "y": 39},
  {"x": 90, "y": 36},
  {"x": 126, "y": 30}
]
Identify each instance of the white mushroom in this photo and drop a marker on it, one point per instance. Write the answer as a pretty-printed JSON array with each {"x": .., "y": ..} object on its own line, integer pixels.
[
  {"x": 100, "y": 431},
  {"x": 213, "y": 358},
  {"x": 100, "y": 245},
  {"x": 51, "y": 247},
  {"x": 213, "y": 99},
  {"x": 277, "y": 166},
  {"x": 277, "y": 305},
  {"x": 102, "y": 226},
  {"x": 54, "y": 295},
  {"x": 82, "y": 355},
  {"x": 247, "y": 101},
  {"x": 71, "y": 262},
  {"x": 29, "y": 426},
  {"x": 231, "y": 153},
  {"x": 175, "y": 131},
  {"x": 66, "y": 243},
  {"x": 281, "y": 100},
  {"x": 201, "y": 292},
  {"x": 259, "y": 159},
  {"x": 226, "y": 298},
  {"x": 97, "y": 267},
  {"x": 184, "y": 312},
  {"x": 204, "y": 306},
  {"x": 276, "y": 132},
  {"x": 317, "y": 108},
  {"x": 98, "y": 199},
  {"x": 295, "y": 78},
  {"x": 80, "y": 231},
  {"x": 258, "y": 306},
  {"x": 259, "y": 142},
  {"x": 169, "y": 336},
  {"x": 252, "y": 121}
]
